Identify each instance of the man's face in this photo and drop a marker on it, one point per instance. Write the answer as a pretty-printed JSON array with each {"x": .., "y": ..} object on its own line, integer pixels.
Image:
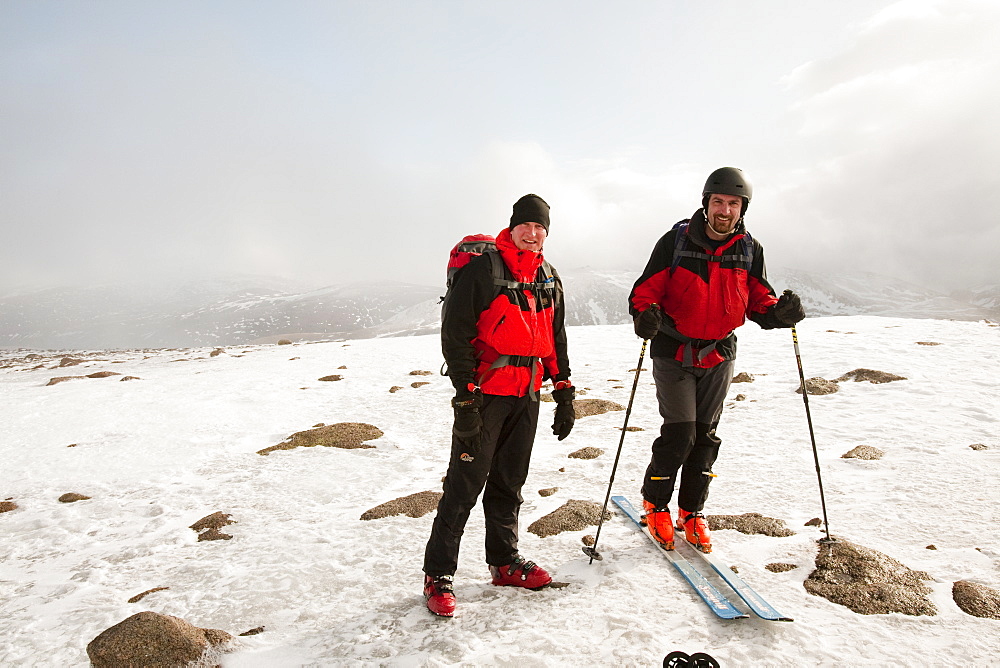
[
  {"x": 724, "y": 212},
  {"x": 529, "y": 236}
]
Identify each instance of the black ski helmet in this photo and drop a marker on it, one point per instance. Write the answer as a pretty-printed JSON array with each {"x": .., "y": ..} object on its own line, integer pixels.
[{"x": 728, "y": 181}]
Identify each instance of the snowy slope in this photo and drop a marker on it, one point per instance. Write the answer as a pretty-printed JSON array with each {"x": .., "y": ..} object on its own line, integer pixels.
[{"x": 158, "y": 453}]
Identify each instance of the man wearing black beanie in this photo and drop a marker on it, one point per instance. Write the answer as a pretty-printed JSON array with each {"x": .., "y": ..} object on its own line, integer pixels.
[{"x": 502, "y": 334}]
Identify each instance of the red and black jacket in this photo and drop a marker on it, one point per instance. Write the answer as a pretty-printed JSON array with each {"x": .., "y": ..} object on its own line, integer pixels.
[
  {"x": 479, "y": 325},
  {"x": 704, "y": 300}
]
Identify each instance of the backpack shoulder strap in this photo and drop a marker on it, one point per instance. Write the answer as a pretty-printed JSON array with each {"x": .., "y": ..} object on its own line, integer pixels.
[
  {"x": 680, "y": 243},
  {"x": 544, "y": 279}
]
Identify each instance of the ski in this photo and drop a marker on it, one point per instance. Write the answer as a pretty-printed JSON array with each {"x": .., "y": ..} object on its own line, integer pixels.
[
  {"x": 719, "y": 604},
  {"x": 758, "y": 605}
]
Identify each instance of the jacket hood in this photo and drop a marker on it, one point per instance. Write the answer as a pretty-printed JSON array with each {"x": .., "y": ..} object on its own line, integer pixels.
[{"x": 523, "y": 264}]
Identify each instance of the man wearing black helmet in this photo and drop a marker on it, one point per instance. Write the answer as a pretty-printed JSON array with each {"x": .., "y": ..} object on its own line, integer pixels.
[{"x": 704, "y": 278}]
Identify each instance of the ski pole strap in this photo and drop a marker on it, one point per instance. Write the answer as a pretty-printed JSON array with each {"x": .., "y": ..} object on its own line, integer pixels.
[{"x": 689, "y": 345}]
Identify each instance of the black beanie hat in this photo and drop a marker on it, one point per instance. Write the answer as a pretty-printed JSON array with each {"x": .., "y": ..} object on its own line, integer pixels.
[{"x": 530, "y": 209}]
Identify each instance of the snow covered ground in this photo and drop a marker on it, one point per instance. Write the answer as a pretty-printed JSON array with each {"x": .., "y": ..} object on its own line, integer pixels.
[{"x": 159, "y": 453}]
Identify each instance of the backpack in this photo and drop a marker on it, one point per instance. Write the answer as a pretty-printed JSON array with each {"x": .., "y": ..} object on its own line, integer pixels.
[
  {"x": 483, "y": 244},
  {"x": 479, "y": 244},
  {"x": 681, "y": 249}
]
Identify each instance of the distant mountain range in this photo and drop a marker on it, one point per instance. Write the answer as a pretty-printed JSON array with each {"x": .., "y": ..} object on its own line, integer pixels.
[{"x": 241, "y": 310}]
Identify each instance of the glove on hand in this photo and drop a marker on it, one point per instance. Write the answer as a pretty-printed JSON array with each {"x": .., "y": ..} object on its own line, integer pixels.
[
  {"x": 565, "y": 413},
  {"x": 468, "y": 426},
  {"x": 788, "y": 310},
  {"x": 647, "y": 324}
]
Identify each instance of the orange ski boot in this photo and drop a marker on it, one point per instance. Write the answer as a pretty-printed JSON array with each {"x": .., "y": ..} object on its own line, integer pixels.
[
  {"x": 660, "y": 525},
  {"x": 695, "y": 529}
]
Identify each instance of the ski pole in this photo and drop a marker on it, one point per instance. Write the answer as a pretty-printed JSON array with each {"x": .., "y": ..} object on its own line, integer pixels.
[
  {"x": 591, "y": 551},
  {"x": 812, "y": 436}
]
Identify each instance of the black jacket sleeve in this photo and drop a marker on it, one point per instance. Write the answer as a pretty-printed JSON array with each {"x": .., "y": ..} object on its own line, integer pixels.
[
  {"x": 559, "y": 331},
  {"x": 468, "y": 297}
]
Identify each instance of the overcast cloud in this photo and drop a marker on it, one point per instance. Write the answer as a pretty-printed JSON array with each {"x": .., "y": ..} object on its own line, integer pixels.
[{"x": 342, "y": 142}]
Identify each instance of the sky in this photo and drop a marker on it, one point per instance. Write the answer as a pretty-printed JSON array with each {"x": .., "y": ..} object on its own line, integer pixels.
[
  {"x": 342, "y": 142},
  {"x": 179, "y": 442}
]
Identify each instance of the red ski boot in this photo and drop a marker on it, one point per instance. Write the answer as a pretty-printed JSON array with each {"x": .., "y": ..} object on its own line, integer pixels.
[
  {"x": 520, "y": 573},
  {"x": 695, "y": 529},
  {"x": 440, "y": 595},
  {"x": 659, "y": 523}
]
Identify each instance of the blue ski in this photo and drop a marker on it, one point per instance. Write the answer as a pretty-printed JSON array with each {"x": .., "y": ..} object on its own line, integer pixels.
[
  {"x": 719, "y": 604},
  {"x": 757, "y": 604}
]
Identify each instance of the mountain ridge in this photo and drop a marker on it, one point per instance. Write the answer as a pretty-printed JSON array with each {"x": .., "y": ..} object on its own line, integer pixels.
[{"x": 252, "y": 309}]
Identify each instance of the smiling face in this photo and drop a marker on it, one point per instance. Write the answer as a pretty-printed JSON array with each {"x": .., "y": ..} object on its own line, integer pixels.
[
  {"x": 723, "y": 214},
  {"x": 528, "y": 236}
]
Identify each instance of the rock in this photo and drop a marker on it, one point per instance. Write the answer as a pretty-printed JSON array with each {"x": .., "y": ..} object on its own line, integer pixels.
[
  {"x": 124, "y": 378},
  {"x": 868, "y": 582},
  {"x": 928, "y": 343},
  {"x": 780, "y": 568},
  {"x": 548, "y": 492},
  {"x": 571, "y": 516},
  {"x": 284, "y": 342},
  {"x": 347, "y": 435},
  {"x": 863, "y": 452},
  {"x": 743, "y": 377},
  {"x": 331, "y": 378},
  {"x": 976, "y": 599},
  {"x": 421, "y": 373},
  {"x": 870, "y": 375},
  {"x": 153, "y": 640},
  {"x": 394, "y": 389},
  {"x": 208, "y": 527},
  {"x": 253, "y": 632},
  {"x": 740, "y": 397},
  {"x": 814, "y": 522},
  {"x": 819, "y": 386},
  {"x": 931, "y": 547},
  {"x": 61, "y": 379},
  {"x": 7, "y": 506},
  {"x": 587, "y": 407},
  {"x": 586, "y": 453},
  {"x": 216, "y": 352},
  {"x": 71, "y": 497},
  {"x": 979, "y": 446},
  {"x": 419, "y": 384},
  {"x": 102, "y": 374},
  {"x": 70, "y": 361},
  {"x": 749, "y": 523},
  {"x": 588, "y": 540},
  {"x": 414, "y": 505},
  {"x": 139, "y": 597}
]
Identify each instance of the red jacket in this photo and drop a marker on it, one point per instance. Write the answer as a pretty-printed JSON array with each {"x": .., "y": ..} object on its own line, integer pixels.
[
  {"x": 704, "y": 300},
  {"x": 477, "y": 328}
]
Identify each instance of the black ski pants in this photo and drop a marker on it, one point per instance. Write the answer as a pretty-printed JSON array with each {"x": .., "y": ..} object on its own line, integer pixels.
[
  {"x": 501, "y": 466},
  {"x": 690, "y": 402}
]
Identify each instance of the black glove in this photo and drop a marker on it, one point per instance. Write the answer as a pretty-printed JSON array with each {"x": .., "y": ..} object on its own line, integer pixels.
[
  {"x": 565, "y": 413},
  {"x": 468, "y": 427},
  {"x": 647, "y": 324},
  {"x": 788, "y": 310}
]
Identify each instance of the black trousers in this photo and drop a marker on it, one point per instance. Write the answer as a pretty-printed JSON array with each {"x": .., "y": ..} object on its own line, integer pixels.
[
  {"x": 501, "y": 466},
  {"x": 690, "y": 402}
]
